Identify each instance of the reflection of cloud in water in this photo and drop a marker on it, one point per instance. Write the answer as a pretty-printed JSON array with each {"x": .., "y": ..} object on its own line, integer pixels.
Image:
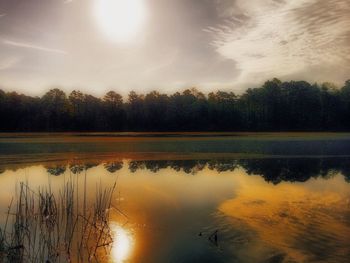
[
  {"x": 168, "y": 206},
  {"x": 306, "y": 221}
]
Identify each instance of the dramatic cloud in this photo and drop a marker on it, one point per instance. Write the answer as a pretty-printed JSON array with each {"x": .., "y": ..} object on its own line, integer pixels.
[
  {"x": 211, "y": 44},
  {"x": 285, "y": 38}
]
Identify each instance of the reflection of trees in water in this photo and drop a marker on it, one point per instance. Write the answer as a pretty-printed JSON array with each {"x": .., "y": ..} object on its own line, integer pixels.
[
  {"x": 79, "y": 168},
  {"x": 347, "y": 176},
  {"x": 112, "y": 167},
  {"x": 91, "y": 165},
  {"x": 56, "y": 170},
  {"x": 76, "y": 168},
  {"x": 187, "y": 166},
  {"x": 278, "y": 170},
  {"x": 296, "y": 169},
  {"x": 345, "y": 170},
  {"x": 273, "y": 170},
  {"x": 155, "y": 166},
  {"x": 223, "y": 165},
  {"x": 136, "y": 165}
]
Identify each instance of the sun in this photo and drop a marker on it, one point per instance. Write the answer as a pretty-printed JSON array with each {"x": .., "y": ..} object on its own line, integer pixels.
[{"x": 120, "y": 20}]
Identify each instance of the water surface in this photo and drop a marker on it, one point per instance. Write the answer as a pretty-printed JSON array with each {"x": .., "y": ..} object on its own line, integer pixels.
[{"x": 201, "y": 198}]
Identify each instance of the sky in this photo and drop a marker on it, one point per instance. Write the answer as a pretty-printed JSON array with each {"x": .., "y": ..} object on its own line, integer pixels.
[{"x": 168, "y": 45}]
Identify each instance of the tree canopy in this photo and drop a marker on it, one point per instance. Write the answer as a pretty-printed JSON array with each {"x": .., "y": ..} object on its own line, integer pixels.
[{"x": 275, "y": 106}]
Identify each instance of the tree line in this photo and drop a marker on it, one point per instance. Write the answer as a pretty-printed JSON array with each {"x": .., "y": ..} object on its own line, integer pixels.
[{"x": 275, "y": 106}]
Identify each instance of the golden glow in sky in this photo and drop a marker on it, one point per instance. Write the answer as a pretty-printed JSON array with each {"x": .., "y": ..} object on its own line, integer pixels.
[{"x": 120, "y": 20}]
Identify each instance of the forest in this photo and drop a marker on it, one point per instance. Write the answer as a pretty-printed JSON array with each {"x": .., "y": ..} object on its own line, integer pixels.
[{"x": 275, "y": 106}]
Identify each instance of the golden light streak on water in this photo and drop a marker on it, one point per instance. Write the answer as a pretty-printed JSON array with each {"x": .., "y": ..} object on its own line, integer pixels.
[{"x": 123, "y": 243}]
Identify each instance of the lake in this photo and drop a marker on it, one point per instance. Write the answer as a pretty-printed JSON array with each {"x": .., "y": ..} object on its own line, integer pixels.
[{"x": 182, "y": 197}]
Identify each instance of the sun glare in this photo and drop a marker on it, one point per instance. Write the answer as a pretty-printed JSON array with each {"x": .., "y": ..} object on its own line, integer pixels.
[
  {"x": 120, "y": 20},
  {"x": 123, "y": 244}
]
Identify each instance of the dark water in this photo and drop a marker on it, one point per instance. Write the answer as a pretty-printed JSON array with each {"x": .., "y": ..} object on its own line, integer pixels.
[{"x": 252, "y": 198}]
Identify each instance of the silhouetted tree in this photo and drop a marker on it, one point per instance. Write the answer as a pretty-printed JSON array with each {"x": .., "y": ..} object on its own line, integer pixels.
[
  {"x": 223, "y": 111},
  {"x": 135, "y": 111},
  {"x": 156, "y": 109},
  {"x": 55, "y": 110},
  {"x": 77, "y": 102},
  {"x": 344, "y": 114},
  {"x": 275, "y": 106},
  {"x": 114, "y": 111}
]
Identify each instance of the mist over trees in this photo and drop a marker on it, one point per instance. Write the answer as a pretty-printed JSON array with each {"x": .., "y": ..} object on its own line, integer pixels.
[{"x": 276, "y": 106}]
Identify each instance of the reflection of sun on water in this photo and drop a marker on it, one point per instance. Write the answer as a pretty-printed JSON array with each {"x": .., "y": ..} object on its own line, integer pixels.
[{"x": 122, "y": 245}]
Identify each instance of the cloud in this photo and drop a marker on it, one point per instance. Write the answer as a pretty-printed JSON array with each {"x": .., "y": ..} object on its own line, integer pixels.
[
  {"x": 158, "y": 66},
  {"x": 280, "y": 38},
  {"x": 9, "y": 62},
  {"x": 32, "y": 46},
  {"x": 2, "y": 15}
]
